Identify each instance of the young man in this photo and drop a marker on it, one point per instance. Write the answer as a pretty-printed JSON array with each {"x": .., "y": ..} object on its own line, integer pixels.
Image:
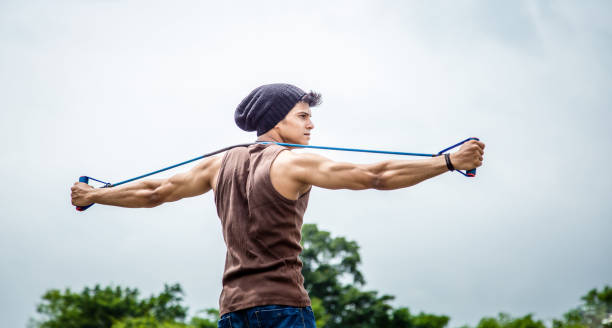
[{"x": 261, "y": 193}]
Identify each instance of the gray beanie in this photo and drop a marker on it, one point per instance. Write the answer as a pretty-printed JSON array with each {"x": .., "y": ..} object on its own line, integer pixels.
[{"x": 265, "y": 106}]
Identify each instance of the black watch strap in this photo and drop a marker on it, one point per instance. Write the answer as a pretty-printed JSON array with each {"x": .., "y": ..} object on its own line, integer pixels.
[{"x": 448, "y": 162}]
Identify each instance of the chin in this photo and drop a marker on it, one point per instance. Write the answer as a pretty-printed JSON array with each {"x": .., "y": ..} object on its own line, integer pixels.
[{"x": 304, "y": 140}]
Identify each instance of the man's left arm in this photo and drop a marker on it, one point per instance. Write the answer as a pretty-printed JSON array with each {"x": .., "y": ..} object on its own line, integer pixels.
[{"x": 311, "y": 169}]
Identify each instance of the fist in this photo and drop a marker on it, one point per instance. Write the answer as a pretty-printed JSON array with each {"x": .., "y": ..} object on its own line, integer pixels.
[
  {"x": 79, "y": 194},
  {"x": 469, "y": 156}
]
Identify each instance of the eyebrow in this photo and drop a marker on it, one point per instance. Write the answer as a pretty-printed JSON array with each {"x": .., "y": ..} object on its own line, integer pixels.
[{"x": 302, "y": 112}]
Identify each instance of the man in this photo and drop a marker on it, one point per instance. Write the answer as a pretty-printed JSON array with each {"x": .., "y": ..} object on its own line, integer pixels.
[{"x": 261, "y": 193}]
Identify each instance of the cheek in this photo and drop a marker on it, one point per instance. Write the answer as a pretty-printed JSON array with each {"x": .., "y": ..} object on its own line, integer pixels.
[{"x": 296, "y": 125}]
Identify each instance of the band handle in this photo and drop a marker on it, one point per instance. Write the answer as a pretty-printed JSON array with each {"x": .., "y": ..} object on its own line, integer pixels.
[
  {"x": 84, "y": 179},
  {"x": 472, "y": 173}
]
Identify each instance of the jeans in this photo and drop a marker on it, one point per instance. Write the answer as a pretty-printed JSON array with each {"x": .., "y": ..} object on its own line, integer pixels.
[{"x": 269, "y": 316}]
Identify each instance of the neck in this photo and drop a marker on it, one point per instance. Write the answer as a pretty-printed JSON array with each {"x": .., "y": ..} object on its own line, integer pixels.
[
  {"x": 273, "y": 137},
  {"x": 270, "y": 137}
]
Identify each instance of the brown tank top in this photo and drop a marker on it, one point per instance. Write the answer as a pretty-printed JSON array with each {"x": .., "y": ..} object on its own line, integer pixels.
[{"x": 262, "y": 232}]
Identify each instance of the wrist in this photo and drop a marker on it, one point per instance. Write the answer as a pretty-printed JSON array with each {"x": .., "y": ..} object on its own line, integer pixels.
[
  {"x": 449, "y": 162},
  {"x": 92, "y": 195},
  {"x": 456, "y": 161},
  {"x": 441, "y": 164}
]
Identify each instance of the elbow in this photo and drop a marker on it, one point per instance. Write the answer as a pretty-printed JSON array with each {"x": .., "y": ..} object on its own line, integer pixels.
[
  {"x": 377, "y": 178},
  {"x": 393, "y": 181},
  {"x": 371, "y": 180},
  {"x": 154, "y": 198},
  {"x": 378, "y": 182}
]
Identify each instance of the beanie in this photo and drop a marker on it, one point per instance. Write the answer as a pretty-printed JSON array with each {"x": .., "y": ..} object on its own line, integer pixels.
[{"x": 265, "y": 106}]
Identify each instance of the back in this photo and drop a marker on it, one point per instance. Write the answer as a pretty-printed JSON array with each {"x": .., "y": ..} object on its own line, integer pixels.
[{"x": 262, "y": 232}]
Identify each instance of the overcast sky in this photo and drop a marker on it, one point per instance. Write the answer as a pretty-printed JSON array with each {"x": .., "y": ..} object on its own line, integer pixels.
[{"x": 114, "y": 89}]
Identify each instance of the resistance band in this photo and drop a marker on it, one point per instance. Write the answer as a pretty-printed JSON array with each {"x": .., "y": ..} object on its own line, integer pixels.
[{"x": 469, "y": 173}]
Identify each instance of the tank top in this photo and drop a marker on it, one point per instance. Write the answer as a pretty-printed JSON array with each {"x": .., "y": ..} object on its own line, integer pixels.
[{"x": 262, "y": 232}]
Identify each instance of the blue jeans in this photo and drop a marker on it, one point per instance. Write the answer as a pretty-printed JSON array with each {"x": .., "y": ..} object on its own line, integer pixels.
[{"x": 269, "y": 316}]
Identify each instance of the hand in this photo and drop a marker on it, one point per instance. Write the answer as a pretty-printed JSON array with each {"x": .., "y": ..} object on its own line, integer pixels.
[
  {"x": 469, "y": 156},
  {"x": 80, "y": 194}
]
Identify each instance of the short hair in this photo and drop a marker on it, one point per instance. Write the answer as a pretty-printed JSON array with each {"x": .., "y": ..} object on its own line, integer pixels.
[{"x": 312, "y": 98}]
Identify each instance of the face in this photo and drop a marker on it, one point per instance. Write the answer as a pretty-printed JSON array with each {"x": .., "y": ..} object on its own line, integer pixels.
[{"x": 296, "y": 126}]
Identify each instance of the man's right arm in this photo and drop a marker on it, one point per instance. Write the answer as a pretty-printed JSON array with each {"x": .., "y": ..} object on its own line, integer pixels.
[{"x": 151, "y": 193}]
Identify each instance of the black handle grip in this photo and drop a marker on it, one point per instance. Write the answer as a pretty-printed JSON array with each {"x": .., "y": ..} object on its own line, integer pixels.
[{"x": 83, "y": 179}]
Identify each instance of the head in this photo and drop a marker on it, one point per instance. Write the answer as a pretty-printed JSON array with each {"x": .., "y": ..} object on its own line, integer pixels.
[{"x": 278, "y": 111}]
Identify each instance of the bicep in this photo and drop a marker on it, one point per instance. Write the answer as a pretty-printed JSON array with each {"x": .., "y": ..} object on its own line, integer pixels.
[
  {"x": 322, "y": 172},
  {"x": 194, "y": 182}
]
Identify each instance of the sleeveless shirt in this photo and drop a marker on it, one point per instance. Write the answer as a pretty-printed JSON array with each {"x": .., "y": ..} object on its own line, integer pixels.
[{"x": 262, "y": 232}]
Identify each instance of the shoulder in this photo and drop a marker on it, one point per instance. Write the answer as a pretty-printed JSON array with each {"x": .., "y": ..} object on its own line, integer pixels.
[
  {"x": 287, "y": 172},
  {"x": 293, "y": 162},
  {"x": 213, "y": 161},
  {"x": 209, "y": 166}
]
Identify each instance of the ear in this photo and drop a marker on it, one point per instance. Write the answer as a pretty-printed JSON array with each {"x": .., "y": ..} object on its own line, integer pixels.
[
  {"x": 278, "y": 125},
  {"x": 276, "y": 130}
]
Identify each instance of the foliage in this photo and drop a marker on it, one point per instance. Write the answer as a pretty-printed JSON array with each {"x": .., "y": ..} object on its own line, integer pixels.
[
  {"x": 209, "y": 322},
  {"x": 330, "y": 260},
  {"x": 594, "y": 313},
  {"x": 152, "y": 322},
  {"x": 321, "y": 316},
  {"x": 506, "y": 321},
  {"x": 333, "y": 281},
  {"x": 116, "y": 307},
  {"x": 147, "y": 322}
]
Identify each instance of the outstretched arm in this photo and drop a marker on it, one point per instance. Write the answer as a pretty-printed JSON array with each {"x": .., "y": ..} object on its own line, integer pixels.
[
  {"x": 319, "y": 171},
  {"x": 151, "y": 193}
]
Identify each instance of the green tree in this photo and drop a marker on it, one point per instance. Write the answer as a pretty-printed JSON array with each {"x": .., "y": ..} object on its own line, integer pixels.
[
  {"x": 147, "y": 322},
  {"x": 118, "y": 308},
  {"x": 152, "y": 322},
  {"x": 212, "y": 317},
  {"x": 330, "y": 260},
  {"x": 335, "y": 285},
  {"x": 593, "y": 313},
  {"x": 506, "y": 321},
  {"x": 321, "y": 316}
]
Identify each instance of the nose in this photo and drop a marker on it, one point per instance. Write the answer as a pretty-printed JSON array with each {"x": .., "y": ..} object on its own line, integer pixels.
[{"x": 310, "y": 125}]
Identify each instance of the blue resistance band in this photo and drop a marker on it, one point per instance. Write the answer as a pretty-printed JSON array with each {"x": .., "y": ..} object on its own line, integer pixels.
[{"x": 469, "y": 173}]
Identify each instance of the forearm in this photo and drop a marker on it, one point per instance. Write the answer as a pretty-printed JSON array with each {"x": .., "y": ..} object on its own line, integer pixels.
[
  {"x": 398, "y": 174},
  {"x": 137, "y": 194}
]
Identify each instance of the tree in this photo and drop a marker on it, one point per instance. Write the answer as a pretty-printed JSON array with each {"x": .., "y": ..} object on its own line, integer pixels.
[
  {"x": 332, "y": 279},
  {"x": 209, "y": 322},
  {"x": 595, "y": 312},
  {"x": 117, "y": 307},
  {"x": 328, "y": 261},
  {"x": 506, "y": 321}
]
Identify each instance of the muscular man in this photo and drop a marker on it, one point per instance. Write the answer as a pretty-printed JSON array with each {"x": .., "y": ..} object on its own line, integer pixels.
[{"x": 261, "y": 193}]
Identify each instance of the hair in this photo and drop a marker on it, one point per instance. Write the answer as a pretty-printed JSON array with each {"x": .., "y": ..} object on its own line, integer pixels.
[{"x": 312, "y": 98}]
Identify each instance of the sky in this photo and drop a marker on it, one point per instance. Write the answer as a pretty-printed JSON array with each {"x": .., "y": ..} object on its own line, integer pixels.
[{"x": 115, "y": 89}]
